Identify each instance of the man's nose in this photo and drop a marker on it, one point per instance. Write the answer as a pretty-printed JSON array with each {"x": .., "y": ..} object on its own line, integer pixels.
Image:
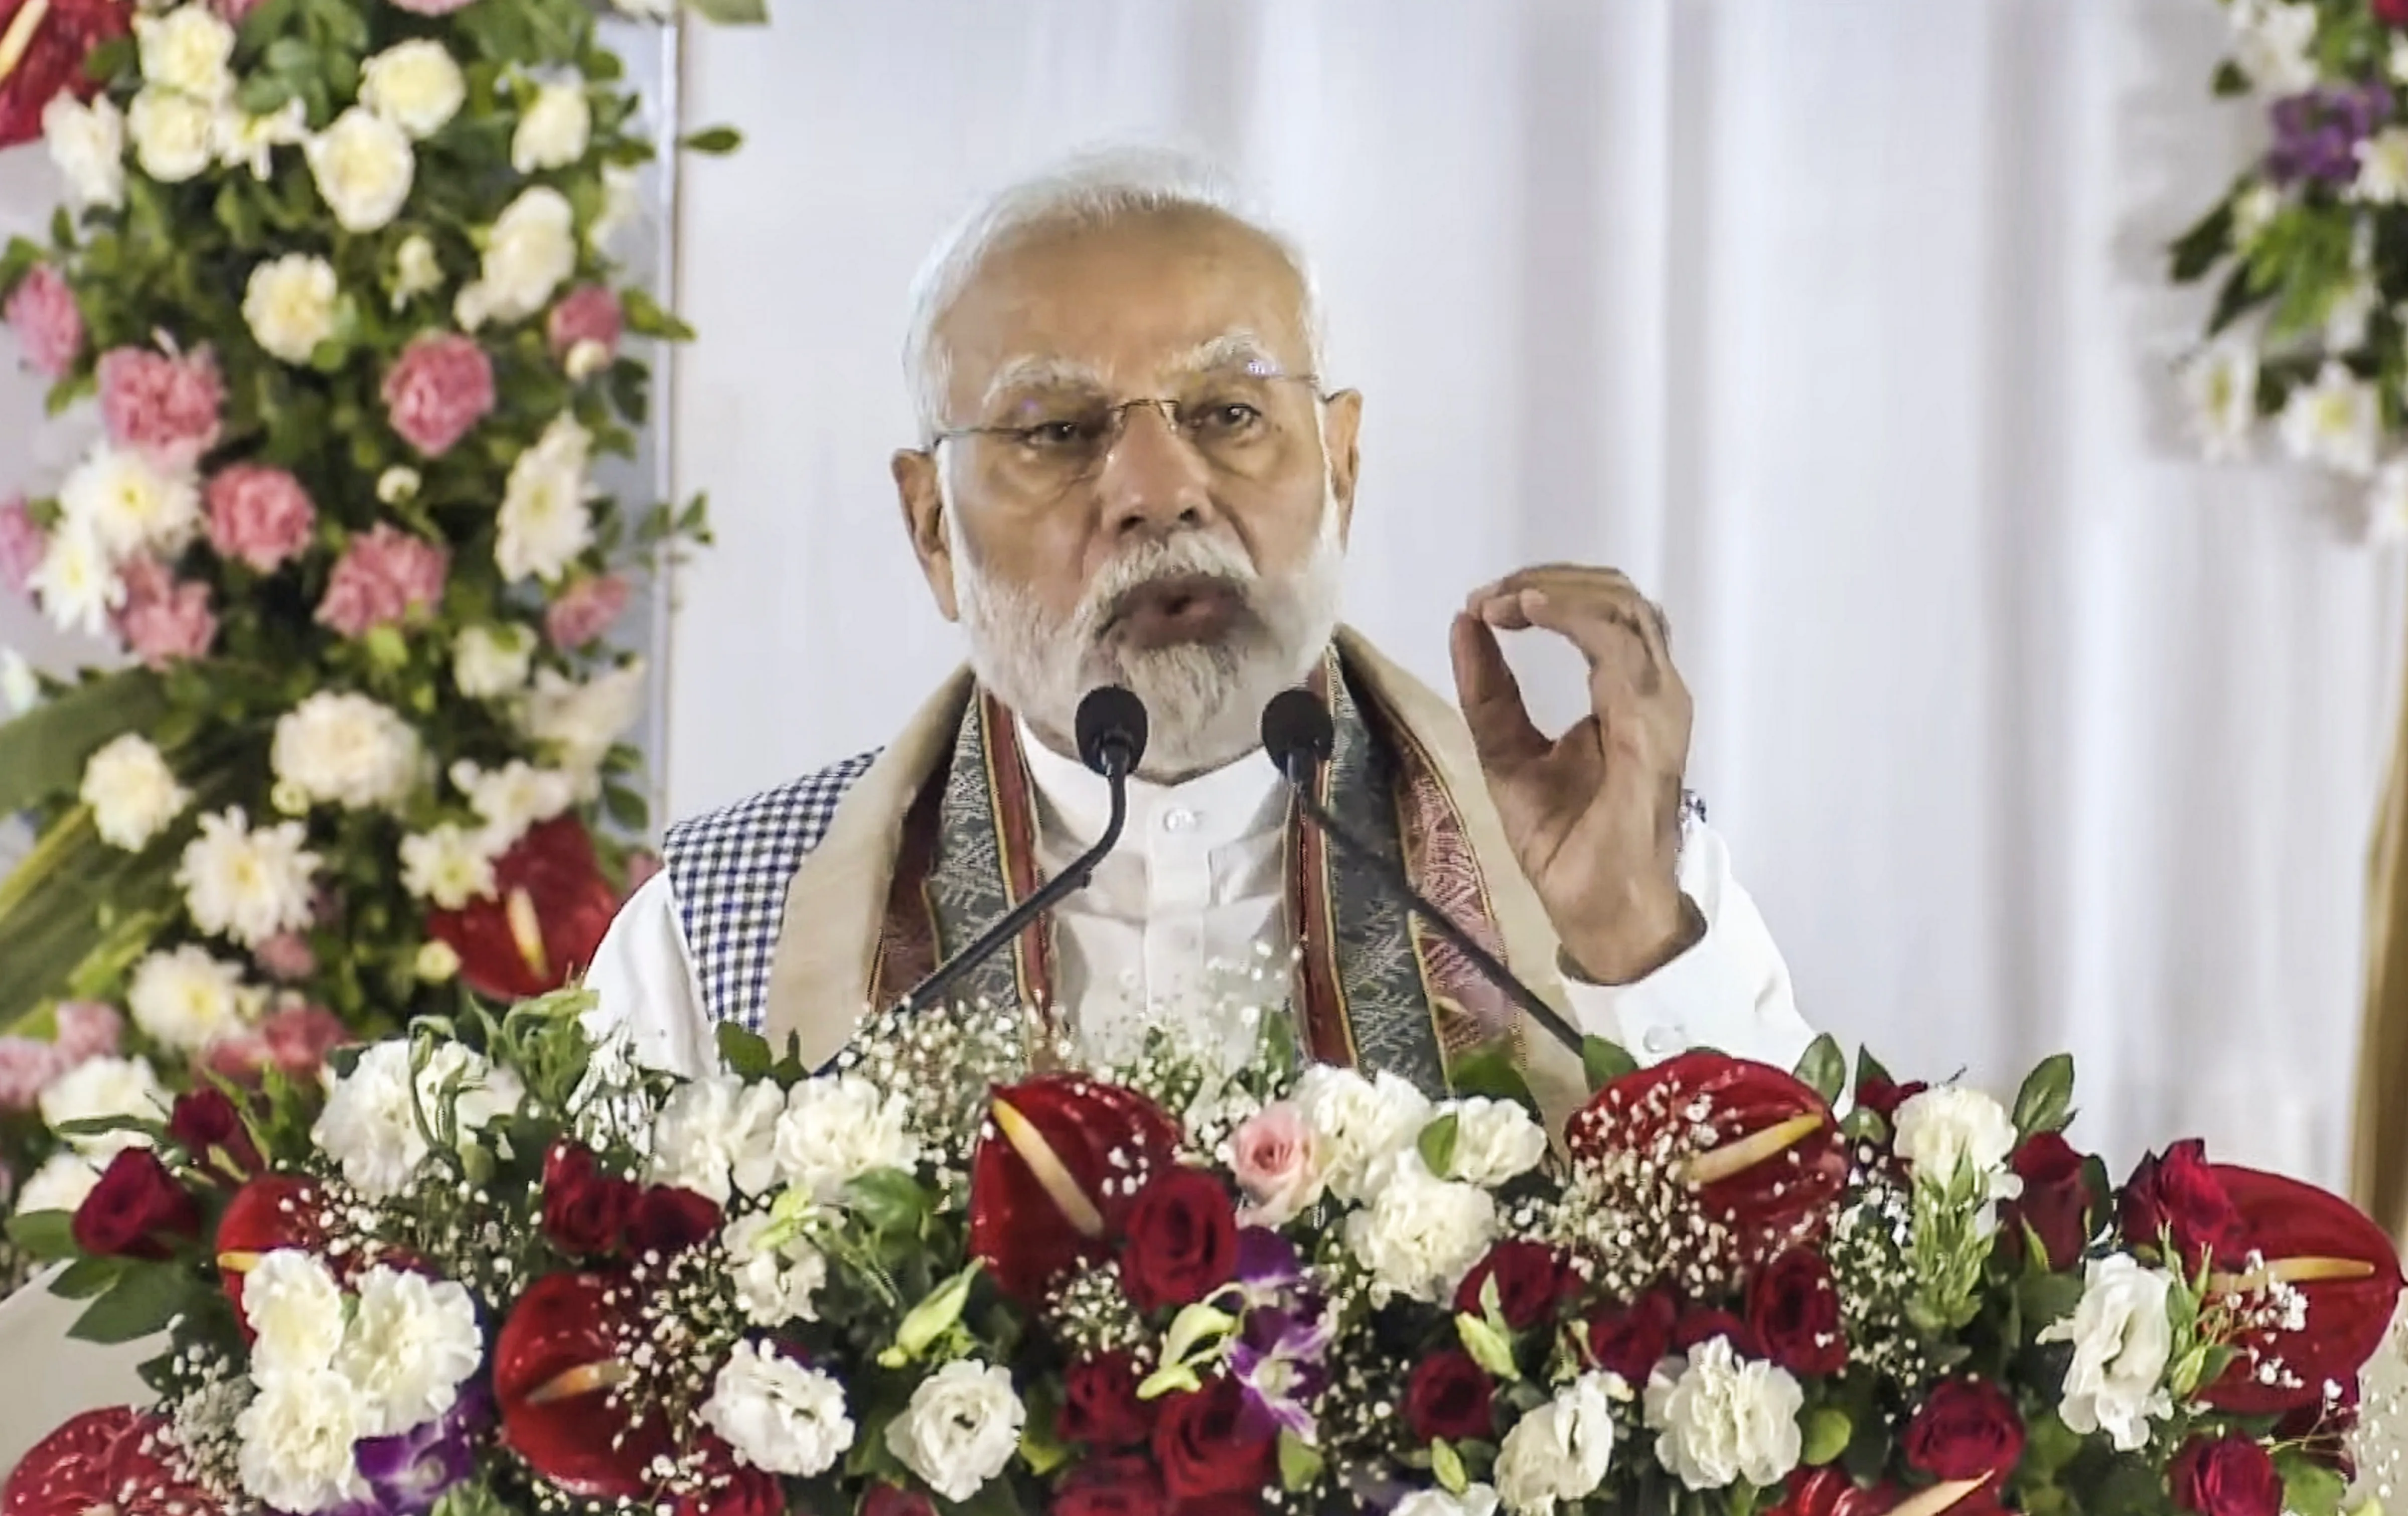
[{"x": 1152, "y": 479}]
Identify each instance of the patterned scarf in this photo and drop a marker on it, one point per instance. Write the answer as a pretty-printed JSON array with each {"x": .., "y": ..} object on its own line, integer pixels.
[{"x": 1373, "y": 988}]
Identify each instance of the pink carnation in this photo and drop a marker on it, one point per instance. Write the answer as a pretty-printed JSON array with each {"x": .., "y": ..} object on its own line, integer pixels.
[
  {"x": 42, "y": 311},
  {"x": 286, "y": 956},
  {"x": 233, "y": 11},
  {"x": 22, "y": 545},
  {"x": 294, "y": 1041},
  {"x": 588, "y": 314},
  {"x": 168, "y": 406},
  {"x": 27, "y": 1066},
  {"x": 432, "y": 7},
  {"x": 89, "y": 1029},
  {"x": 259, "y": 514},
  {"x": 381, "y": 579},
  {"x": 164, "y": 620},
  {"x": 586, "y": 611},
  {"x": 441, "y": 387}
]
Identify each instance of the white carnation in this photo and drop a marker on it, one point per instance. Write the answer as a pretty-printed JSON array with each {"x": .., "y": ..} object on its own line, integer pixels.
[
  {"x": 415, "y": 85},
  {"x": 246, "y": 141},
  {"x": 1943, "y": 1131},
  {"x": 290, "y": 304},
  {"x": 545, "y": 522},
  {"x": 710, "y": 1129},
  {"x": 175, "y": 135},
  {"x": 492, "y": 660},
  {"x": 87, "y": 144},
  {"x": 834, "y": 1130},
  {"x": 553, "y": 131},
  {"x": 1719, "y": 1418},
  {"x": 961, "y": 1428},
  {"x": 777, "y": 1414},
  {"x": 76, "y": 583},
  {"x": 1422, "y": 1233},
  {"x": 1358, "y": 1123},
  {"x": 245, "y": 883},
  {"x": 186, "y": 1000},
  {"x": 1475, "y": 1500},
  {"x": 2273, "y": 43},
  {"x": 2220, "y": 386},
  {"x": 530, "y": 250},
  {"x": 129, "y": 503},
  {"x": 2121, "y": 1340},
  {"x": 370, "y": 1124},
  {"x": 362, "y": 167},
  {"x": 132, "y": 792},
  {"x": 60, "y": 1184},
  {"x": 346, "y": 750},
  {"x": 777, "y": 1273},
  {"x": 1561, "y": 1450},
  {"x": 105, "y": 1087},
  {"x": 1494, "y": 1141},
  {"x": 448, "y": 866},
  {"x": 296, "y": 1433},
  {"x": 582, "y": 721},
  {"x": 186, "y": 48},
  {"x": 2336, "y": 421},
  {"x": 295, "y": 1310},
  {"x": 514, "y": 797},
  {"x": 412, "y": 1342}
]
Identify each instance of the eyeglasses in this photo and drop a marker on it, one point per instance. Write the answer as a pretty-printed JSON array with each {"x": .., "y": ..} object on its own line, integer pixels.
[{"x": 1243, "y": 424}]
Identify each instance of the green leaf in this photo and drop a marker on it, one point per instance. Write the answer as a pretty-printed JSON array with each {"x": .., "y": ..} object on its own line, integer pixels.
[
  {"x": 46, "y": 1236},
  {"x": 1824, "y": 1067},
  {"x": 1437, "y": 1145},
  {"x": 142, "y": 1302},
  {"x": 646, "y": 318},
  {"x": 1870, "y": 1071},
  {"x": 732, "y": 12},
  {"x": 2046, "y": 1102},
  {"x": 2309, "y": 1488},
  {"x": 1604, "y": 1062},
  {"x": 88, "y": 1277},
  {"x": 42, "y": 752},
  {"x": 1489, "y": 1072},
  {"x": 2046, "y": 1299},
  {"x": 2197, "y": 250},
  {"x": 744, "y": 1051},
  {"x": 887, "y": 1201},
  {"x": 1828, "y": 1433},
  {"x": 627, "y": 807},
  {"x": 718, "y": 141},
  {"x": 1301, "y": 1463},
  {"x": 2230, "y": 79}
]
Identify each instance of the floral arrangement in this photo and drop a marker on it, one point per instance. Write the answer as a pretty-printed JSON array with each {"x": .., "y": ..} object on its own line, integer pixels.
[
  {"x": 338, "y": 275},
  {"x": 494, "y": 1267},
  {"x": 2306, "y": 247}
]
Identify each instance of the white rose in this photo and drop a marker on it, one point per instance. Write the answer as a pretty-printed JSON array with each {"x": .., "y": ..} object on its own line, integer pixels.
[
  {"x": 186, "y": 48},
  {"x": 1494, "y": 1141},
  {"x": 370, "y": 1125},
  {"x": 2121, "y": 1341},
  {"x": 59, "y": 1185},
  {"x": 1561, "y": 1450},
  {"x": 127, "y": 503},
  {"x": 488, "y": 662},
  {"x": 1358, "y": 1123},
  {"x": 777, "y": 1414},
  {"x": 132, "y": 792},
  {"x": 76, "y": 583},
  {"x": 297, "y": 1437},
  {"x": 245, "y": 883},
  {"x": 1719, "y": 1418},
  {"x": 961, "y": 1428},
  {"x": 248, "y": 141},
  {"x": 531, "y": 248},
  {"x": 363, "y": 166},
  {"x": 711, "y": 1129},
  {"x": 295, "y": 1310},
  {"x": 412, "y": 1342},
  {"x": 513, "y": 798},
  {"x": 1476, "y": 1500},
  {"x": 186, "y": 1000},
  {"x": 175, "y": 135},
  {"x": 836, "y": 1129},
  {"x": 346, "y": 750},
  {"x": 554, "y": 129},
  {"x": 87, "y": 144},
  {"x": 1423, "y": 1233},
  {"x": 778, "y": 1282},
  {"x": 1943, "y": 1131},
  {"x": 105, "y": 1087},
  {"x": 448, "y": 866},
  {"x": 415, "y": 85},
  {"x": 290, "y": 305},
  {"x": 582, "y": 721}
]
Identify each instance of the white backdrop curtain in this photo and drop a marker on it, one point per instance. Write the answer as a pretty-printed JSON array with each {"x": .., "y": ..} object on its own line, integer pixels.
[{"x": 1837, "y": 322}]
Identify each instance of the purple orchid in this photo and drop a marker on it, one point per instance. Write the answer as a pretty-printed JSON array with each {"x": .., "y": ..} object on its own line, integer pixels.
[
  {"x": 408, "y": 1473},
  {"x": 2317, "y": 134},
  {"x": 1278, "y": 1360}
]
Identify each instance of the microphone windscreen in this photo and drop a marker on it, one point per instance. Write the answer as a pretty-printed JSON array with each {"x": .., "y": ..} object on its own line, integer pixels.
[
  {"x": 1298, "y": 732},
  {"x": 1110, "y": 730}
]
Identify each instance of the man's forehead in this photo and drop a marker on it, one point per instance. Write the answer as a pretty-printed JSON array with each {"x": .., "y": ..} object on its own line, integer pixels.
[{"x": 1237, "y": 352}]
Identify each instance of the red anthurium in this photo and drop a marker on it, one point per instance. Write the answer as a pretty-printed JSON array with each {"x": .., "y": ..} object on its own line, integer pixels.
[
  {"x": 1826, "y": 1491},
  {"x": 555, "y": 1362},
  {"x": 2328, "y": 1251},
  {"x": 58, "y": 37},
  {"x": 546, "y": 915},
  {"x": 1039, "y": 1203},
  {"x": 103, "y": 1460}
]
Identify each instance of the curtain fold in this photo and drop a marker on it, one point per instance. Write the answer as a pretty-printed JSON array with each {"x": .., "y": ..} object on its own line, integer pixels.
[{"x": 2379, "y": 1153}]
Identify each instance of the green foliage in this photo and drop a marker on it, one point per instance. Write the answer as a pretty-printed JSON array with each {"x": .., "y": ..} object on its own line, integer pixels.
[
  {"x": 2045, "y": 1101},
  {"x": 1823, "y": 1067},
  {"x": 1604, "y": 1060}
]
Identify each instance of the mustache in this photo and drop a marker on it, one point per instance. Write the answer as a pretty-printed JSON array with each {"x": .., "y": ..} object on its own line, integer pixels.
[{"x": 1190, "y": 555}]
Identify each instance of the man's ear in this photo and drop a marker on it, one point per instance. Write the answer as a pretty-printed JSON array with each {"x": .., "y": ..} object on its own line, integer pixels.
[
  {"x": 1341, "y": 430},
  {"x": 919, "y": 491}
]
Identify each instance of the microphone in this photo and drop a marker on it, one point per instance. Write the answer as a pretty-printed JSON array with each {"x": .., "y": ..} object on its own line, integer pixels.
[
  {"x": 1299, "y": 737},
  {"x": 1111, "y": 732}
]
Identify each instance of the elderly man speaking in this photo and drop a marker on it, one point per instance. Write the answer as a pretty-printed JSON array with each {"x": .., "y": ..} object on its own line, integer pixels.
[{"x": 1130, "y": 471}]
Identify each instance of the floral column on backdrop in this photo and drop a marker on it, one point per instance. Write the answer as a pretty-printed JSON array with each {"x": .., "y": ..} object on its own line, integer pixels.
[{"x": 337, "y": 272}]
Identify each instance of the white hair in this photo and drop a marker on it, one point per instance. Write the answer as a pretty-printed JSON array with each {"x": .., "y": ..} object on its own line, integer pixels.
[{"x": 1094, "y": 189}]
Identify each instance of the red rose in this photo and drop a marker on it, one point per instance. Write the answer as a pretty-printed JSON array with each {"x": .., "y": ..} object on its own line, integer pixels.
[
  {"x": 136, "y": 1204},
  {"x": 666, "y": 1220},
  {"x": 2345, "y": 1267},
  {"x": 591, "y": 1445},
  {"x": 1793, "y": 1309},
  {"x": 1124, "y": 1486},
  {"x": 1099, "y": 1404},
  {"x": 1450, "y": 1398},
  {"x": 1182, "y": 1240},
  {"x": 1530, "y": 1279},
  {"x": 1705, "y": 1325},
  {"x": 2055, "y": 1202},
  {"x": 1883, "y": 1098},
  {"x": 1212, "y": 1442},
  {"x": 1965, "y": 1429},
  {"x": 1088, "y": 1132},
  {"x": 2228, "y": 1476},
  {"x": 2391, "y": 12},
  {"x": 206, "y": 1121},
  {"x": 1632, "y": 1340},
  {"x": 2179, "y": 1193},
  {"x": 549, "y": 909},
  {"x": 585, "y": 1211},
  {"x": 889, "y": 1500}
]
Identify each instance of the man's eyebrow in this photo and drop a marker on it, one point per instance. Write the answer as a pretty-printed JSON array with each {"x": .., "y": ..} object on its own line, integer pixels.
[
  {"x": 1231, "y": 350},
  {"x": 1036, "y": 372}
]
